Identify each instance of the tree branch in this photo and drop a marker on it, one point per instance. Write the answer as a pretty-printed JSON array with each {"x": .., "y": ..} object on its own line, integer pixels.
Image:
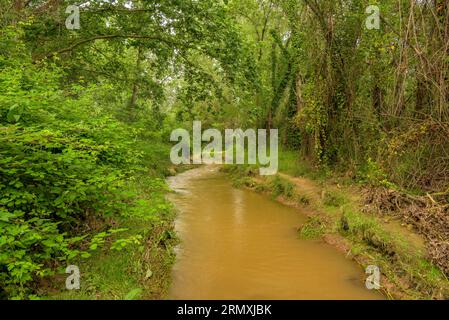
[{"x": 107, "y": 37}]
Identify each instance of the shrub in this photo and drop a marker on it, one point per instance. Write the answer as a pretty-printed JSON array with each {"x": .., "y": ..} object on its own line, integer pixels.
[
  {"x": 64, "y": 163},
  {"x": 282, "y": 187}
]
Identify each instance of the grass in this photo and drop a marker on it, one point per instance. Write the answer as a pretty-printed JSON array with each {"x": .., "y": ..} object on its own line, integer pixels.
[
  {"x": 312, "y": 229},
  {"x": 118, "y": 275},
  {"x": 405, "y": 265},
  {"x": 397, "y": 257},
  {"x": 105, "y": 276},
  {"x": 281, "y": 187},
  {"x": 303, "y": 200},
  {"x": 138, "y": 269},
  {"x": 290, "y": 163},
  {"x": 333, "y": 198}
]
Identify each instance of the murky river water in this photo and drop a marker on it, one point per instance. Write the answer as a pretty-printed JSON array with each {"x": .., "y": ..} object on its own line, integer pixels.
[{"x": 237, "y": 244}]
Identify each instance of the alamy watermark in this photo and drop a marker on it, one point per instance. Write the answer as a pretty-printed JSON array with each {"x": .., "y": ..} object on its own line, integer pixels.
[
  {"x": 373, "y": 280},
  {"x": 73, "y": 20},
  {"x": 73, "y": 280},
  {"x": 232, "y": 151},
  {"x": 373, "y": 20}
]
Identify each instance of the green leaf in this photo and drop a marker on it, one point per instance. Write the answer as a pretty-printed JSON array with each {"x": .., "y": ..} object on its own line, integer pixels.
[
  {"x": 134, "y": 294},
  {"x": 5, "y": 216}
]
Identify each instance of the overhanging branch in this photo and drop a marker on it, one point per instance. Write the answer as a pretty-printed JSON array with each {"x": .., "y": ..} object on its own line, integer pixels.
[{"x": 108, "y": 37}]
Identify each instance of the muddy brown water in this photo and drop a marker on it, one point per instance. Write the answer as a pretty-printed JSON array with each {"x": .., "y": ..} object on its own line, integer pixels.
[{"x": 237, "y": 244}]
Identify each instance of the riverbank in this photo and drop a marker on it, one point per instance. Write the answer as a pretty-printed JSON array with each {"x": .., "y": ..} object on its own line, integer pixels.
[
  {"x": 339, "y": 215},
  {"x": 135, "y": 263}
]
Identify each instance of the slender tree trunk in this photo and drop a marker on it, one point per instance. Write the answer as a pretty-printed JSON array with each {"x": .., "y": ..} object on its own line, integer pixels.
[{"x": 135, "y": 89}]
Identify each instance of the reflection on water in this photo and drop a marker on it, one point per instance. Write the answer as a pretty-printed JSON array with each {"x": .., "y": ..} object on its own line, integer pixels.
[{"x": 237, "y": 244}]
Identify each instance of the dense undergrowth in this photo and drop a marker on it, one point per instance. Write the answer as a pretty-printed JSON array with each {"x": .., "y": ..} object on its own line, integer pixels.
[
  {"x": 141, "y": 267},
  {"x": 338, "y": 213},
  {"x": 68, "y": 174},
  {"x": 85, "y": 120}
]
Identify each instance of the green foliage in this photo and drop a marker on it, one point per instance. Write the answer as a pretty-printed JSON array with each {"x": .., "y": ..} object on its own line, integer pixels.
[
  {"x": 82, "y": 125},
  {"x": 282, "y": 187},
  {"x": 133, "y": 294},
  {"x": 333, "y": 199},
  {"x": 373, "y": 174},
  {"x": 65, "y": 163},
  {"x": 303, "y": 200},
  {"x": 312, "y": 229}
]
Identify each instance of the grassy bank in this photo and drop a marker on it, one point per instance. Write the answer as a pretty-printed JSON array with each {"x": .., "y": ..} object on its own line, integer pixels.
[
  {"x": 135, "y": 263},
  {"x": 338, "y": 215}
]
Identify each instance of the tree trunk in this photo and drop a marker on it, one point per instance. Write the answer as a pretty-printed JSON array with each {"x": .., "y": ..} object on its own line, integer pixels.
[{"x": 135, "y": 89}]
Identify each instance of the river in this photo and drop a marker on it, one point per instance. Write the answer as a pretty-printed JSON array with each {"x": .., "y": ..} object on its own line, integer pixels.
[{"x": 237, "y": 244}]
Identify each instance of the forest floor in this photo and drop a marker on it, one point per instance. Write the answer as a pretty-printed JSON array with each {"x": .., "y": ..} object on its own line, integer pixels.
[{"x": 341, "y": 214}]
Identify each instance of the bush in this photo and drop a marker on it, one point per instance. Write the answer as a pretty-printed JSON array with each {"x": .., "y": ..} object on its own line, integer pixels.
[
  {"x": 282, "y": 187},
  {"x": 64, "y": 163}
]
